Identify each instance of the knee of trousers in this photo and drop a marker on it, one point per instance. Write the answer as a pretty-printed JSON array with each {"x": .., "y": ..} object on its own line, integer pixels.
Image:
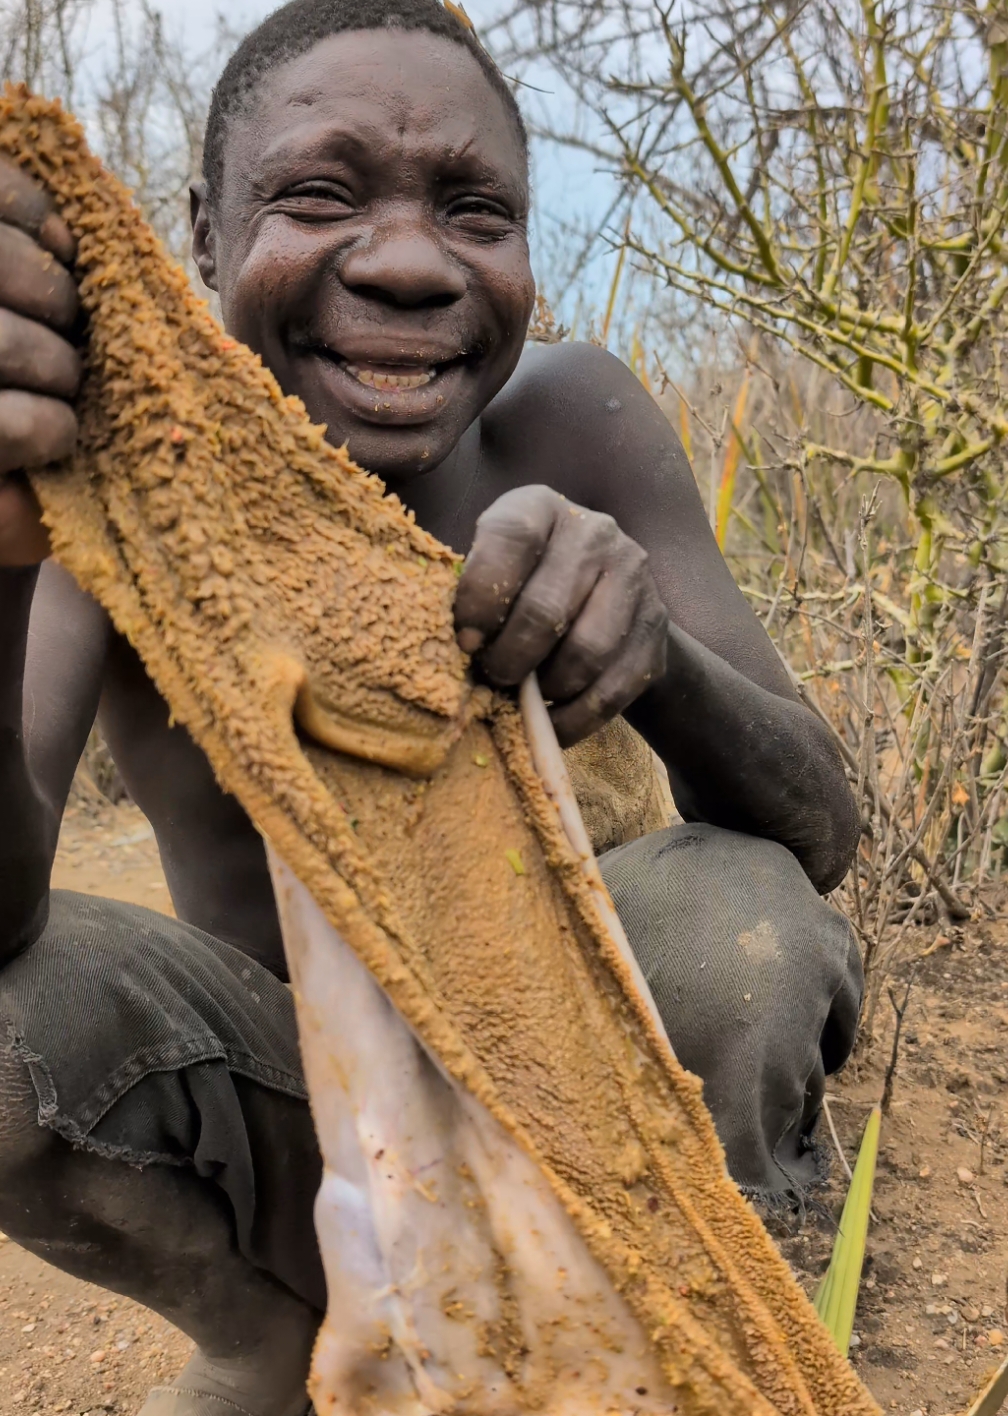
[
  {"x": 735, "y": 942},
  {"x": 53, "y": 987},
  {"x": 757, "y": 980},
  {"x": 111, "y": 993},
  {"x": 96, "y": 966}
]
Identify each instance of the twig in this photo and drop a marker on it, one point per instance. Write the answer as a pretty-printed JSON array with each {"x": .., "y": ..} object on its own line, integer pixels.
[
  {"x": 983, "y": 1137},
  {"x": 899, "y": 1010},
  {"x": 836, "y": 1139},
  {"x": 840, "y": 1152}
]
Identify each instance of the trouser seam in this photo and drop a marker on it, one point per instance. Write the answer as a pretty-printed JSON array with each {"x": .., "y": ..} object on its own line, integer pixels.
[{"x": 77, "y": 1130}]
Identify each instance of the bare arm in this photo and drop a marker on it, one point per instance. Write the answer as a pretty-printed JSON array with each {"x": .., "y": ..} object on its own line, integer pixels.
[
  {"x": 742, "y": 751},
  {"x": 622, "y": 600},
  {"x": 52, "y": 637},
  {"x": 52, "y": 647},
  {"x": 24, "y": 868},
  {"x": 68, "y": 640},
  {"x": 742, "y": 757}
]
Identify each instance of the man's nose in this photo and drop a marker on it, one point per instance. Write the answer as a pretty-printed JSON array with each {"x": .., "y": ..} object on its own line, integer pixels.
[{"x": 404, "y": 264}]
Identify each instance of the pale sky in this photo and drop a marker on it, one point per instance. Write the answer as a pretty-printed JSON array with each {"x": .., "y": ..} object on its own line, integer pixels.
[{"x": 195, "y": 18}]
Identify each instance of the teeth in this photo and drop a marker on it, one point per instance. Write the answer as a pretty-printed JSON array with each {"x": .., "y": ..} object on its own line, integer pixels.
[{"x": 376, "y": 378}]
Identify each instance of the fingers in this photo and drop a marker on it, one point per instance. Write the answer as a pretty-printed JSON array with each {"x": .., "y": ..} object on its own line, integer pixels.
[
  {"x": 23, "y": 539},
  {"x": 553, "y": 587},
  {"x": 26, "y": 205},
  {"x": 37, "y": 295},
  {"x": 511, "y": 536},
  {"x": 32, "y": 357},
  {"x": 38, "y": 369},
  {"x": 553, "y": 597},
  {"x": 534, "y": 563},
  {"x": 33, "y": 282},
  {"x": 641, "y": 663},
  {"x": 603, "y": 626},
  {"x": 34, "y": 430}
]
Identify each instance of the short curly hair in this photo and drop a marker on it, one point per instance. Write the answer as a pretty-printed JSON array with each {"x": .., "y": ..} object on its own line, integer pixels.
[{"x": 298, "y": 27}]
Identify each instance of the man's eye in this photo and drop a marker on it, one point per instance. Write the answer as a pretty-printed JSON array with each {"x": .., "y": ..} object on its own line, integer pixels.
[
  {"x": 316, "y": 199},
  {"x": 483, "y": 210}
]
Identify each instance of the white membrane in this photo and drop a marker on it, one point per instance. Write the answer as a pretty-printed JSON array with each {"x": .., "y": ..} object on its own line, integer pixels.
[{"x": 457, "y": 1281}]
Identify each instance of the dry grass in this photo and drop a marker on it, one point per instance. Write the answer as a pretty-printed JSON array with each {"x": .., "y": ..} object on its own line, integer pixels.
[{"x": 909, "y": 676}]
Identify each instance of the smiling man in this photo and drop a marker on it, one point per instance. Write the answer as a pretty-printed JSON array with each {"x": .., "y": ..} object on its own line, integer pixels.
[{"x": 364, "y": 220}]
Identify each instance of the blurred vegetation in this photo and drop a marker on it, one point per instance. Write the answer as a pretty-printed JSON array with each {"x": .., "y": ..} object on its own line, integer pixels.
[{"x": 140, "y": 88}]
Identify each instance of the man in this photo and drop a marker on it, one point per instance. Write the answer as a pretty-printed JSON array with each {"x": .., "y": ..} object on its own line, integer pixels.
[{"x": 364, "y": 221}]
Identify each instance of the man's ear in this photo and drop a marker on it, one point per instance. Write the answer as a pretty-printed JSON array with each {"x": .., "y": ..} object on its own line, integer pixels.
[{"x": 204, "y": 239}]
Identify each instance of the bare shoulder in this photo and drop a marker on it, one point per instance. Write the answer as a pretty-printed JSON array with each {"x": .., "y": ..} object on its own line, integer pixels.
[
  {"x": 574, "y": 416},
  {"x": 589, "y": 374}
]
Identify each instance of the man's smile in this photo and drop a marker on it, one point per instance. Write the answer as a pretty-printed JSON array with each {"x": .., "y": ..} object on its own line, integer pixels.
[
  {"x": 379, "y": 382},
  {"x": 381, "y": 377}
]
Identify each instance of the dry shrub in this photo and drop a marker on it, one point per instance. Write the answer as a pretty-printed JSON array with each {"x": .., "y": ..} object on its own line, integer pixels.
[
  {"x": 97, "y": 779},
  {"x": 909, "y": 677}
]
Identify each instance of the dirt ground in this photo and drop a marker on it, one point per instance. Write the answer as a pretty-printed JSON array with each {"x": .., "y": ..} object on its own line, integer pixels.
[{"x": 931, "y": 1321}]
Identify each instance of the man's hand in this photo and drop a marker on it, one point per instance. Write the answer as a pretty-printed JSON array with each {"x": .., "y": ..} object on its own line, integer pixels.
[
  {"x": 39, "y": 369},
  {"x": 553, "y": 587}
]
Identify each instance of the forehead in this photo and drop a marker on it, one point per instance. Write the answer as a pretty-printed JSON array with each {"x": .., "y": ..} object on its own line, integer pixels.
[{"x": 417, "y": 93}]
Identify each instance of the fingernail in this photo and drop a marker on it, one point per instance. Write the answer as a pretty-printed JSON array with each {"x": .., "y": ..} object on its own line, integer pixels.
[{"x": 469, "y": 640}]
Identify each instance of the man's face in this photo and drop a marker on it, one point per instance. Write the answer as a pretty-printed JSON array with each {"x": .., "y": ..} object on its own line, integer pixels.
[{"x": 370, "y": 242}]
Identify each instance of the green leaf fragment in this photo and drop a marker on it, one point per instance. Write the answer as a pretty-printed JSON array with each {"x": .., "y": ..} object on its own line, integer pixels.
[
  {"x": 836, "y": 1300},
  {"x": 515, "y": 861}
]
